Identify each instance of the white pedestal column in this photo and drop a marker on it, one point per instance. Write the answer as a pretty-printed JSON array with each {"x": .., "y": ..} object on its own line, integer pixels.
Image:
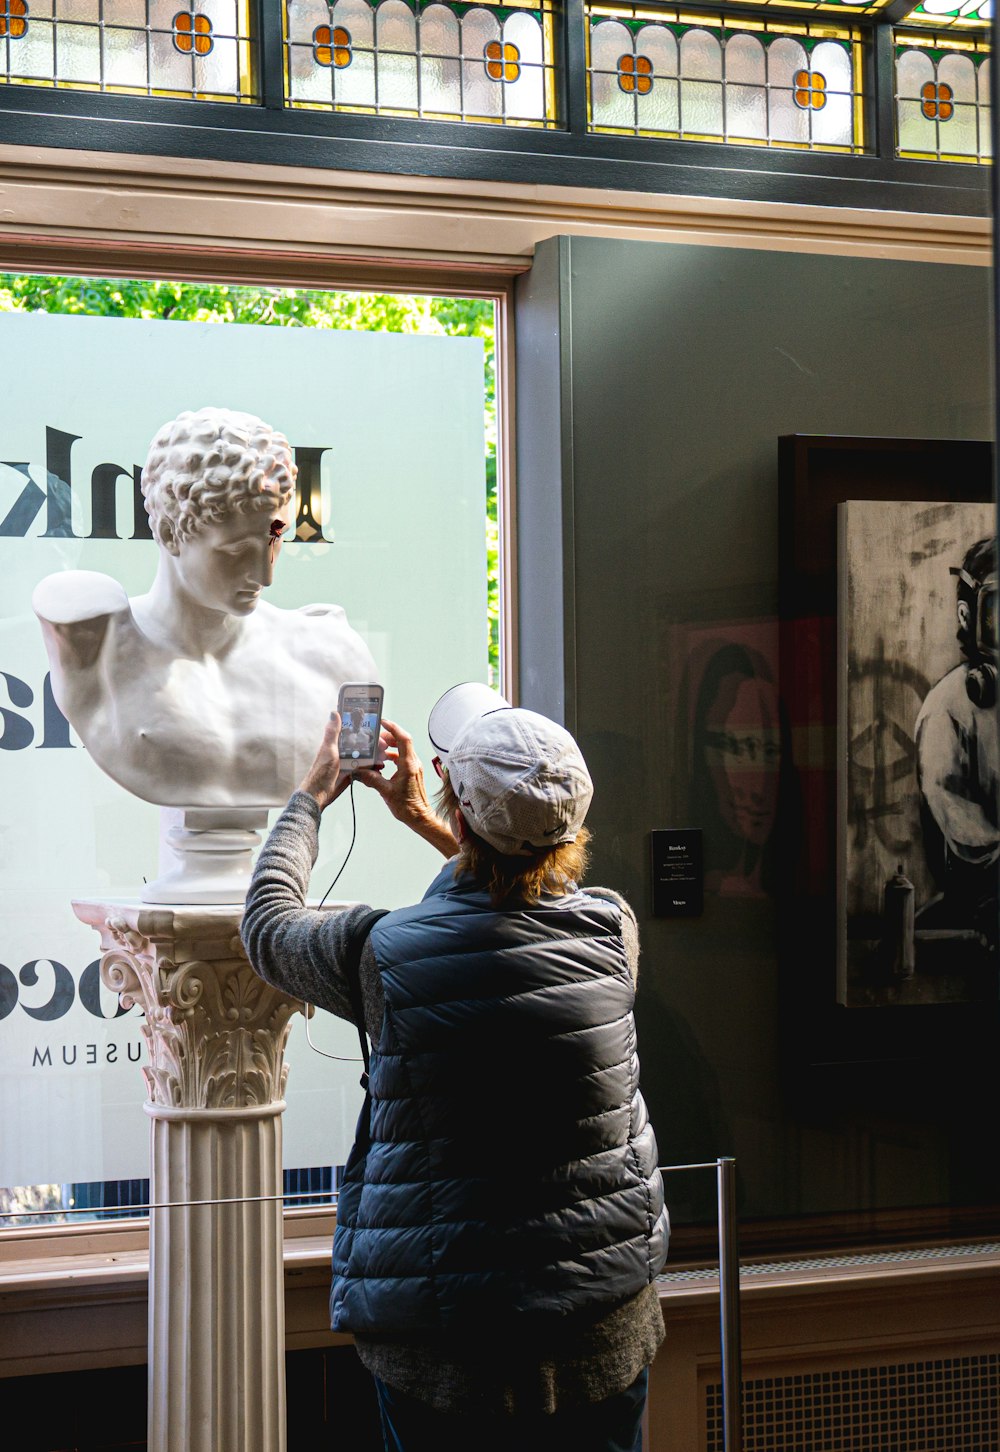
[{"x": 215, "y": 1034}]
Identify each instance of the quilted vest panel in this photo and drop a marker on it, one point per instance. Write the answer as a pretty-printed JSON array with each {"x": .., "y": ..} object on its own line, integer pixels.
[{"x": 511, "y": 1170}]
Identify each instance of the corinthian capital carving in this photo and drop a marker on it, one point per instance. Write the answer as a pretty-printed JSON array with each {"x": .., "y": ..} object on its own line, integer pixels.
[{"x": 215, "y": 1032}]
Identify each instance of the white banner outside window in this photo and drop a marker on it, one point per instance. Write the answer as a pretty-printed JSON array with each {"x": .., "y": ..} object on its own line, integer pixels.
[{"x": 389, "y": 429}]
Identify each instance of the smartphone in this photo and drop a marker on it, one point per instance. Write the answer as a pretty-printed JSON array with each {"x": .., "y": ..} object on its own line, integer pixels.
[{"x": 360, "y": 707}]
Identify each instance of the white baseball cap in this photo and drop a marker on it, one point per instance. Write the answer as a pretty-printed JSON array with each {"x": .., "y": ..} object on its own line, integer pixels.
[
  {"x": 456, "y": 709},
  {"x": 521, "y": 781}
]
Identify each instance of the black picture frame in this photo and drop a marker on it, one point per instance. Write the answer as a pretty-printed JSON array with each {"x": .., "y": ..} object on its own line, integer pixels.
[{"x": 817, "y": 473}]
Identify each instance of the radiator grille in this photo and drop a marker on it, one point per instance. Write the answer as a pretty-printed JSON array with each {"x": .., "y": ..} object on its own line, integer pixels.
[
  {"x": 951, "y": 1404},
  {"x": 861, "y": 1261}
]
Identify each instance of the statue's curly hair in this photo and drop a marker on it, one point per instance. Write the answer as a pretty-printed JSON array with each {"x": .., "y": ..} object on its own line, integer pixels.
[{"x": 204, "y": 466}]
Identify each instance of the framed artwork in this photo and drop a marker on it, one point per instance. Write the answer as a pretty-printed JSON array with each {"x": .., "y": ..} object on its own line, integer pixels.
[
  {"x": 918, "y": 839},
  {"x": 895, "y": 881},
  {"x": 732, "y": 750}
]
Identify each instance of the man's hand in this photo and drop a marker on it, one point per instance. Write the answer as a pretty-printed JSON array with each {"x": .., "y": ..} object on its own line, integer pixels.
[
  {"x": 404, "y": 792},
  {"x": 324, "y": 780}
]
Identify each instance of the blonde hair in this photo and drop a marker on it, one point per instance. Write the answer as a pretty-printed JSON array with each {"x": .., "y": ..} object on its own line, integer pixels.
[
  {"x": 552, "y": 870},
  {"x": 203, "y": 467}
]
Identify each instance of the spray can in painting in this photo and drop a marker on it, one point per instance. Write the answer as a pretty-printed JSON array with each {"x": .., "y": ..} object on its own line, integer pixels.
[{"x": 898, "y": 919}]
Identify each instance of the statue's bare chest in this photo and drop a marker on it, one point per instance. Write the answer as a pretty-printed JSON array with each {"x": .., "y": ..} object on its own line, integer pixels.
[{"x": 238, "y": 728}]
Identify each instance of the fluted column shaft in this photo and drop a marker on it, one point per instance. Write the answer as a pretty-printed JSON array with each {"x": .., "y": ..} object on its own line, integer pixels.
[{"x": 215, "y": 1035}]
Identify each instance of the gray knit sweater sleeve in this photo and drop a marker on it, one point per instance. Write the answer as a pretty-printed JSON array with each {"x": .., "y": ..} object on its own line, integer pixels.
[
  {"x": 298, "y": 949},
  {"x": 630, "y": 928}
]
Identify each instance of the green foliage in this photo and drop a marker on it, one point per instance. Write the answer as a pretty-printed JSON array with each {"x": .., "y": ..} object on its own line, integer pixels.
[{"x": 291, "y": 308}]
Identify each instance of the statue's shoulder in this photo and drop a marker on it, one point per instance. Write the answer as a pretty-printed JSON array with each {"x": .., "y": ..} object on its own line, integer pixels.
[
  {"x": 74, "y": 596},
  {"x": 328, "y": 641},
  {"x": 302, "y": 622},
  {"x": 335, "y": 613}
]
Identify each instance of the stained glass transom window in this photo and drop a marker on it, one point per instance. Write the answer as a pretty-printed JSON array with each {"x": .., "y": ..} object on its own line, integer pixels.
[
  {"x": 423, "y": 58},
  {"x": 965, "y": 14},
  {"x": 200, "y": 50},
  {"x": 844, "y": 9},
  {"x": 943, "y": 97},
  {"x": 758, "y": 83}
]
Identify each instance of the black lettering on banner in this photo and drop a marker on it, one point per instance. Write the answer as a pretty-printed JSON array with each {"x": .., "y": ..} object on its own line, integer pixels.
[
  {"x": 69, "y": 1053},
  {"x": 308, "y": 498},
  {"x": 21, "y": 514},
  {"x": 18, "y": 731},
  {"x": 104, "y": 502},
  {"x": 140, "y": 519},
  {"x": 90, "y": 992},
  {"x": 57, "y": 496},
  {"x": 8, "y": 991},
  {"x": 55, "y": 727},
  {"x": 59, "y": 484},
  {"x": 63, "y": 990}
]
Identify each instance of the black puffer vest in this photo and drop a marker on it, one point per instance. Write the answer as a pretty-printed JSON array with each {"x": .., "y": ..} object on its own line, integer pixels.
[{"x": 511, "y": 1170}]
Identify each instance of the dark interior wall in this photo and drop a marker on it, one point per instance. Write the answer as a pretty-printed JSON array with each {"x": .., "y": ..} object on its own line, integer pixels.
[{"x": 653, "y": 384}]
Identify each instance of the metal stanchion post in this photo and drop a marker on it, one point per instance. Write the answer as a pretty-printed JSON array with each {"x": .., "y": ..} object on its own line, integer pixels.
[{"x": 729, "y": 1306}]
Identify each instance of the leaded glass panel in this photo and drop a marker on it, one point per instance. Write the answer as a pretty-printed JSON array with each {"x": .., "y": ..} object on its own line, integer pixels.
[
  {"x": 423, "y": 58},
  {"x": 201, "y": 50},
  {"x": 942, "y": 97},
  {"x": 754, "y": 82},
  {"x": 964, "y": 14},
  {"x": 441, "y": 72},
  {"x": 845, "y": 10}
]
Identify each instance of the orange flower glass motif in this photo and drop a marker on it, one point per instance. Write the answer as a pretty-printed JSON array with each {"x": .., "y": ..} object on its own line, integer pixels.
[
  {"x": 810, "y": 90},
  {"x": 192, "y": 33},
  {"x": 13, "y": 18},
  {"x": 635, "y": 74},
  {"x": 332, "y": 47},
  {"x": 936, "y": 101},
  {"x": 502, "y": 61}
]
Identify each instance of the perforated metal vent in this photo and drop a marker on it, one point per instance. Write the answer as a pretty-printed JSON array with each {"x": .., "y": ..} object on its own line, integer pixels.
[
  {"x": 861, "y": 1261},
  {"x": 947, "y": 1405}
]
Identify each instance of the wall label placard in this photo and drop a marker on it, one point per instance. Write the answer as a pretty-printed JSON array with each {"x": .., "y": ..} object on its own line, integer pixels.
[{"x": 678, "y": 876}]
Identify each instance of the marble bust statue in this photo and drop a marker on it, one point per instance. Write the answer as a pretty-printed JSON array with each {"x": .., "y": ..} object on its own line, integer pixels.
[{"x": 200, "y": 694}]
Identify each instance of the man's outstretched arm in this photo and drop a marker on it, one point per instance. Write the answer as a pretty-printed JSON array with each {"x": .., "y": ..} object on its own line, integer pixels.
[{"x": 298, "y": 949}]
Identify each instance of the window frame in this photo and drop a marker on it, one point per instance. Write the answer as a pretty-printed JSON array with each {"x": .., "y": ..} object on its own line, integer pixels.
[
  {"x": 271, "y": 133},
  {"x": 388, "y": 234},
  {"x": 80, "y": 1244}
]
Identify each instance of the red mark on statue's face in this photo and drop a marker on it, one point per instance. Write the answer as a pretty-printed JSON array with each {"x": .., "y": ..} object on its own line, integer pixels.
[{"x": 226, "y": 566}]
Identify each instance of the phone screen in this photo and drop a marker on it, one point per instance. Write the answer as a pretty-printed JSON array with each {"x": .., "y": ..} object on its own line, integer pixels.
[{"x": 360, "y": 708}]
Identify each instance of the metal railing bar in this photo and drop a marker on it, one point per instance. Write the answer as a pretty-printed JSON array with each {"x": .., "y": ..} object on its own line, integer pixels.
[
  {"x": 729, "y": 1308},
  {"x": 729, "y": 1264},
  {"x": 119, "y": 1211}
]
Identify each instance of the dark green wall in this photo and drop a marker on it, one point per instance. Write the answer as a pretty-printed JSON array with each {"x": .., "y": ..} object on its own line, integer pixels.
[{"x": 653, "y": 384}]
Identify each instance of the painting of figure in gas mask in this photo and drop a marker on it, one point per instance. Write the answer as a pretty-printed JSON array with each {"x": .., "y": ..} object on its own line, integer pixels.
[{"x": 918, "y": 784}]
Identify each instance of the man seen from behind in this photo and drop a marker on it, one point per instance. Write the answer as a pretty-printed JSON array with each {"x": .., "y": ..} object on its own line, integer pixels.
[{"x": 501, "y": 1220}]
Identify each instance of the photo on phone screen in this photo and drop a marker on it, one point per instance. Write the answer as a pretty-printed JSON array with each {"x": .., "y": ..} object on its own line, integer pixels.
[{"x": 360, "y": 707}]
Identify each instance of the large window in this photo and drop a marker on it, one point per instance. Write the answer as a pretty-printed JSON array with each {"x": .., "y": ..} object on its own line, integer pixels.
[{"x": 390, "y": 402}]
